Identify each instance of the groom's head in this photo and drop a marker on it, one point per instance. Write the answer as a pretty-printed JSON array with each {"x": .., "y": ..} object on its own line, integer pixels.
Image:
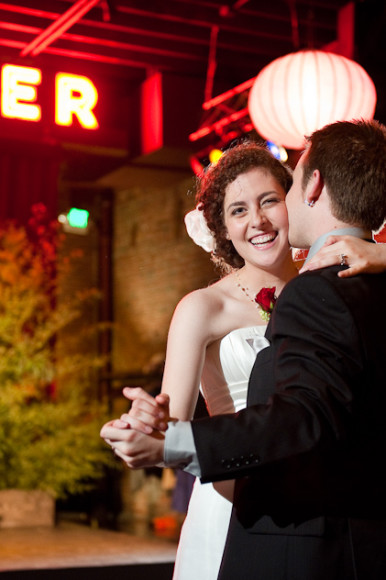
[{"x": 340, "y": 181}]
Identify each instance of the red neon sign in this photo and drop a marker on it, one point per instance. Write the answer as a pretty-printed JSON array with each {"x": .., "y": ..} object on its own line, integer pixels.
[{"x": 75, "y": 96}]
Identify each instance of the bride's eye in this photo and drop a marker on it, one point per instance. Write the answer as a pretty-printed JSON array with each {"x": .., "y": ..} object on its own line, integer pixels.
[
  {"x": 238, "y": 211},
  {"x": 270, "y": 201}
]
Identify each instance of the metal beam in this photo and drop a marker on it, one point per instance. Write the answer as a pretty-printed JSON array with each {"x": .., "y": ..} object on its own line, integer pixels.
[{"x": 50, "y": 34}]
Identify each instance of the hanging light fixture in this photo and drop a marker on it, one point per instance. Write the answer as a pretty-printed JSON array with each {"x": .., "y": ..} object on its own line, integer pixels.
[{"x": 303, "y": 91}]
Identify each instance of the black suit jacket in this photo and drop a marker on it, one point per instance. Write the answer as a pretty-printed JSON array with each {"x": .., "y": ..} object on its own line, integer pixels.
[{"x": 309, "y": 451}]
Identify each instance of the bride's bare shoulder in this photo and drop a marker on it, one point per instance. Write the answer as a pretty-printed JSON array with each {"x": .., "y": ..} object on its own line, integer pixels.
[
  {"x": 207, "y": 300},
  {"x": 205, "y": 305}
]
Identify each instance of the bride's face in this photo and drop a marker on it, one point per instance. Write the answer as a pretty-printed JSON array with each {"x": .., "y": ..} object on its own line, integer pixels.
[{"x": 256, "y": 218}]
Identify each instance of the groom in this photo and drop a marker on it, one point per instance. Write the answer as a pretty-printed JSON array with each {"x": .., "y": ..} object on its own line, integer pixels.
[{"x": 309, "y": 460}]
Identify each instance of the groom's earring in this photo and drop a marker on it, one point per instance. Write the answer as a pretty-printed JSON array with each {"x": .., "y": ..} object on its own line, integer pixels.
[{"x": 309, "y": 203}]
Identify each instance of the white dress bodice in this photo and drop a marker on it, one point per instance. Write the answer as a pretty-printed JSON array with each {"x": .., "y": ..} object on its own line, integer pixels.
[
  {"x": 224, "y": 385},
  {"x": 227, "y": 368}
]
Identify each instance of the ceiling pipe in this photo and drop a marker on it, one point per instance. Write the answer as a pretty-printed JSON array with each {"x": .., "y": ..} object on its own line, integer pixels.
[
  {"x": 211, "y": 63},
  {"x": 55, "y": 30}
]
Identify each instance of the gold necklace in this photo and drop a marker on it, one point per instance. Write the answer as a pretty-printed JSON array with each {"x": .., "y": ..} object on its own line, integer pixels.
[
  {"x": 245, "y": 289},
  {"x": 265, "y": 314}
]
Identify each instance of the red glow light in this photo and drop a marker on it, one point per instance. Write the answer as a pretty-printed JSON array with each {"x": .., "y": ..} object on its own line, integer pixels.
[{"x": 152, "y": 118}]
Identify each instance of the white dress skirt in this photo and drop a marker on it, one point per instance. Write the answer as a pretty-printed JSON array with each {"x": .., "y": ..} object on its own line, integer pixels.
[{"x": 224, "y": 386}]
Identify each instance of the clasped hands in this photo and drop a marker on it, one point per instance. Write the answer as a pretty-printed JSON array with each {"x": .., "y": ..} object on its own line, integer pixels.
[{"x": 137, "y": 437}]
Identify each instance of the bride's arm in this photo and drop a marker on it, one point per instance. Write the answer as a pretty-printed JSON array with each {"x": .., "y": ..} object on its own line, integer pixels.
[
  {"x": 189, "y": 334},
  {"x": 188, "y": 337},
  {"x": 359, "y": 255}
]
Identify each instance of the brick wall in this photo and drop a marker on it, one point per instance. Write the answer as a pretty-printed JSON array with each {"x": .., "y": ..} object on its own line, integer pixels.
[{"x": 154, "y": 265}]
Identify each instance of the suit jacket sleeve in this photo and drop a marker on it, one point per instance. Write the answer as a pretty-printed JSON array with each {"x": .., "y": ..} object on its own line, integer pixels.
[{"x": 313, "y": 366}]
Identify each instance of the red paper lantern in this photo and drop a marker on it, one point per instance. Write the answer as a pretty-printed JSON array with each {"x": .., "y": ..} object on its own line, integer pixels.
[{"x": 301, "y": 92}]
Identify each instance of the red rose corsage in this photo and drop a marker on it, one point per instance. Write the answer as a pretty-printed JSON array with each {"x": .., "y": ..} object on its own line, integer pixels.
[{"x": 266, "y": 300}]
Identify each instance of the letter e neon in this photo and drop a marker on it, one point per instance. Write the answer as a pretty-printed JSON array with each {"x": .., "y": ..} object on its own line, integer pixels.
[{"x": 18, "y": 92}]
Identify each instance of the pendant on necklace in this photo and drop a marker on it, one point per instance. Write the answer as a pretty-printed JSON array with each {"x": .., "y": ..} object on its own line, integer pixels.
[{"x": 264, "y": 300}]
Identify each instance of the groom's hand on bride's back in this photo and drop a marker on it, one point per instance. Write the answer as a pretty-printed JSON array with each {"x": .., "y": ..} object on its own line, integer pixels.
[{"x": 147, "y": 413}]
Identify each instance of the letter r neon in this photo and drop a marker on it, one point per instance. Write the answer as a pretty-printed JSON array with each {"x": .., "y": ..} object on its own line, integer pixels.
[{"x": 75, "y": 95}]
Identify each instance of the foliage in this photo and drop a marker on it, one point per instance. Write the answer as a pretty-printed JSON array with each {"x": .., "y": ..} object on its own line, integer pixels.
[{"x": 49, "y": 418}]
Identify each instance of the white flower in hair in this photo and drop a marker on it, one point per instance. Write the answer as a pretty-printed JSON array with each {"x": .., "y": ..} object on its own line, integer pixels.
[{"x": 198, "y": 230}]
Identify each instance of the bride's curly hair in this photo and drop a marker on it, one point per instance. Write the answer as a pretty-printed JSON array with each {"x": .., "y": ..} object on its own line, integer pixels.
[{"x": 212, "y": 184}]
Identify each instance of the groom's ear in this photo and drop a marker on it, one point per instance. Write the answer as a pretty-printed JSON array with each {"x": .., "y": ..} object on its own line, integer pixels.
[{"x": 314, "y": 186}]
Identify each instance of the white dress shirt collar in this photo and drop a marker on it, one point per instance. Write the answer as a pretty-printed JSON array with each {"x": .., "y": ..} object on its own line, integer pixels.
[{"x": 351, "y": 231}]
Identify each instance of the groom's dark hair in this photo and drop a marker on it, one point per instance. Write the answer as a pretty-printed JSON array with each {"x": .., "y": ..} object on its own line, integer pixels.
[{"x": 351, "y": 158}]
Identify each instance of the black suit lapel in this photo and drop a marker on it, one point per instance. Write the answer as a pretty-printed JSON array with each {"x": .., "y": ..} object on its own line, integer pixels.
[{"x": 261, "y": 382}]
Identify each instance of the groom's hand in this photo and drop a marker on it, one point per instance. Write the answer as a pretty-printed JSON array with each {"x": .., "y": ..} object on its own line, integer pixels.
[
  {"x": 134, "y": 448},
  {"x": 147, "y": 413}
]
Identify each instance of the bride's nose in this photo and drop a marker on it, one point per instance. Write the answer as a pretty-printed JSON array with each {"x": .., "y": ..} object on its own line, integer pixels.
[{"x": 258, "y": 218}]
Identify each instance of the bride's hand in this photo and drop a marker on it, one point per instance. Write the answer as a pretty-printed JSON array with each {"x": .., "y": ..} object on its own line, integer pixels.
[
  {"x": 134, "y": 448},
  {"x": 147, "y": 413},
  {"x": 358, "y": 255}
]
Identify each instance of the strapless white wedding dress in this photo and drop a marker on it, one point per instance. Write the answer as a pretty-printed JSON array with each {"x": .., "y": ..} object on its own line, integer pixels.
[{"x": 224, "y": 386}]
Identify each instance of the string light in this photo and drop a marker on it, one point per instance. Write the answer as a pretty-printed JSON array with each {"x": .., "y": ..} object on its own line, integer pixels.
[{"x": 278, "y": 151}]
